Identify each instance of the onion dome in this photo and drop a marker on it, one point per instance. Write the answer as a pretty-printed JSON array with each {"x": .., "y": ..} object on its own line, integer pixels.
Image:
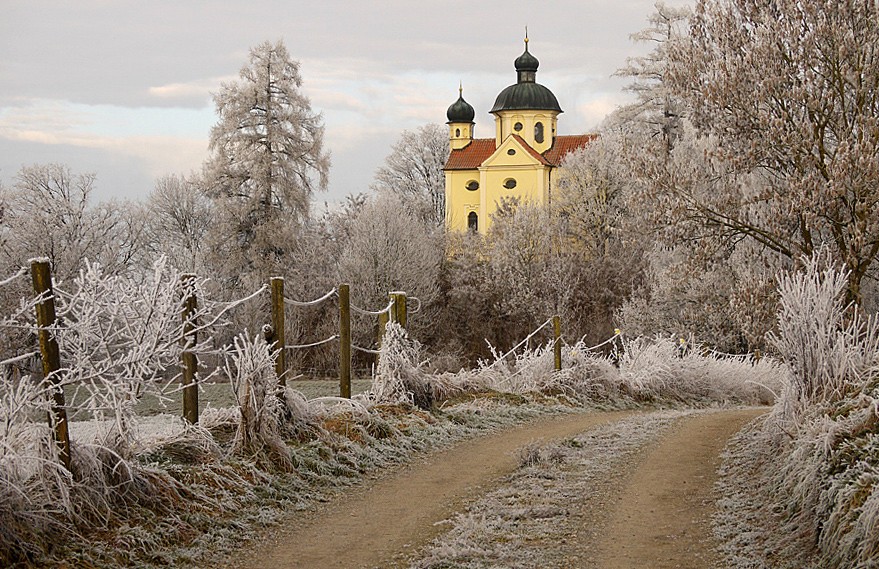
[
  {"x": 526, "y": 94},
  {"x": 460, "y": 111}
]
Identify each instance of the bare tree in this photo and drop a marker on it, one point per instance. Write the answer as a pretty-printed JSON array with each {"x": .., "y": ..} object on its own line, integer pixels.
[
  {"x": 47, "y": 213},
  {"x": 786, "y": 97},
  {"x": 414, "y": 171},
  {"x": 178, "y": 218}
]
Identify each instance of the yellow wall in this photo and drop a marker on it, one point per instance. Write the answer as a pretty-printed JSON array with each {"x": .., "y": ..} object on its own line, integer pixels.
[
  {"x": 532, "y": 186},
  {"x": 505, "y": 121}
]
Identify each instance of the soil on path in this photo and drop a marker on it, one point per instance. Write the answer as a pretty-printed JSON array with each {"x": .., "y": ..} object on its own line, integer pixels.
[
  {"x": 660, "y": 519},
  {"x": 398, "y": 513},
  {"x": 663, "y": 517}
]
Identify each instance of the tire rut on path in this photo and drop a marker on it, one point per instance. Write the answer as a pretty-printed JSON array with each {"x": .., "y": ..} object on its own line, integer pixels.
[
  {"x": 400, "y": 511},
  {"x": 662, "y": 519}
]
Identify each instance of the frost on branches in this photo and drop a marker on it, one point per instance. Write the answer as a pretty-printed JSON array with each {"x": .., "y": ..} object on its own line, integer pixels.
[{"x": 786, "y": 97}]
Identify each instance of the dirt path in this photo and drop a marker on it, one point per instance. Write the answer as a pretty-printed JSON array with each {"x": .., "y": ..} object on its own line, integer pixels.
[
  {"x": 399, "y": 512},
  {"x": 662, "y": 519},
  {"x": 657, "y": 520}
]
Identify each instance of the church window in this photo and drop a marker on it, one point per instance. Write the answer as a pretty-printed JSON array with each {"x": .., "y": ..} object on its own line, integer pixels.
[
  {"x": 517, "y": 127},
  {"x": 473, "y": 222},
  {"x": 457, "y": 132},
  {"x": 538, "y": 132},
  {"x": 472, "y": 185},
  {"x": 511, "y": 151},
  {"x": 510, "y": 183}
]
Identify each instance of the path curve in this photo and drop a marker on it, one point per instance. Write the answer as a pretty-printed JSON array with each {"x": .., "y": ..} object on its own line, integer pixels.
[{"x": 400, "y": 511}]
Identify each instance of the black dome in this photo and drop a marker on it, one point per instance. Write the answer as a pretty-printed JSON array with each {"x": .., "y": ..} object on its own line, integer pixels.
[
  {"x": 526, "y": 94},
  {"x": 526, "y": 61},
  {"x": 460, "y": 111}
]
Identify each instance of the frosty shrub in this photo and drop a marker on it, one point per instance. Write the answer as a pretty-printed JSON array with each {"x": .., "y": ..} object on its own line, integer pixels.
[
  {"x": 121, "y": 339},
  {"x": 825, "y": 353},
  {"x": 806, "y": 479},
  {"x": 399, "y": 376},
  {"x": 256, "y": 389}
]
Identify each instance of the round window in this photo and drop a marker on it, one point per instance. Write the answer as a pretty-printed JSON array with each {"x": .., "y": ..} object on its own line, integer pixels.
[
  {"x": 472, "y": 185},
  {"x": 509, "y": 183},
  {"x": 511, "y": 151},
  {"x": 518, "y": 126}
]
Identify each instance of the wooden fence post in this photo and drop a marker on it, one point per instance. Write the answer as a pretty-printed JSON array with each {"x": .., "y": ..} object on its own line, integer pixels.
[
  {"x": 190, "y": 360},
  {"x": 279, "y": 340},
  {"x": 383, "y": 319},
  {"x": 344, "y": 342},
  {"x": 557, "y": 346},
  {"x": 398, "y": 310},
  {"x": 45, "y": 309}
]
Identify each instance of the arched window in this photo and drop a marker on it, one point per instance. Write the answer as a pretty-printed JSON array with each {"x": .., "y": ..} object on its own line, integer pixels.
[
  {"x": 473, "y": 222},
  {"x": 457, "y": 132},
  {"x": 538, "y": 132}
]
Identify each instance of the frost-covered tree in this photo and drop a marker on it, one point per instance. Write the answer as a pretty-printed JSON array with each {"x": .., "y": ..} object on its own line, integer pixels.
[
  {"x": 414, "y": 171},
  {"x": 390, "y": 248},
  {"x": 48, "y": 213},
  {"x": 787, "y": 94},
  {"x": 178, "y": 218},
  {"x": 267, "y": 162},
  {"x": 657, "y": 108}
]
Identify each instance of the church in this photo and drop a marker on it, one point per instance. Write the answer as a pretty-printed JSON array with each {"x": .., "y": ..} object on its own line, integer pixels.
[{"x": 519, "y": 162}]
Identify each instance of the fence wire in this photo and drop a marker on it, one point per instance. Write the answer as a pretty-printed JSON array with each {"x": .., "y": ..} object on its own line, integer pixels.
[
  {"x": 22, "y": 271},
  {"x": 523, "y": 342},
  {"x": 312, "y": 345},
  {"x": 311, "y": 302},
  {"x": 365, "y": 350},
  {"x": 366, "y": 312}
]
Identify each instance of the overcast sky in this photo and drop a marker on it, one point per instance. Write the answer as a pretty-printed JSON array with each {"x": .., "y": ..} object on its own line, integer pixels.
[{"x": 123, "y": 88}]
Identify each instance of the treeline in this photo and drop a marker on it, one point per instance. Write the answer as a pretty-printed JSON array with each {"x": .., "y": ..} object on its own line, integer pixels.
[{"x": 739, "y": 157}]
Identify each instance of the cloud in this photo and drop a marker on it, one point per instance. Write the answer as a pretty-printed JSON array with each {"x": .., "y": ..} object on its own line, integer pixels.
[{"x": 190, "y": 92}]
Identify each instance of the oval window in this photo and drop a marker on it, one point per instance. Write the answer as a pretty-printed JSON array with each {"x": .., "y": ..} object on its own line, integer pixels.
[
  {"x": 472, "y": 185},
  {"x": 511, "y": 151},
  {"x": 518, "y": 126},
  {"x": 509, "y": 183},
  {"x": 538, "y": 132}
]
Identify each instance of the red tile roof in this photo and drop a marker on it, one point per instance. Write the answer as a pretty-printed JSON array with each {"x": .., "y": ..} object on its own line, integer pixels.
[
  {"x": 474, "y": 154},
  {"x": 565, "y": 144},
  {"x": 471, "y": 156},
  {"x": 537, "y": 156}
]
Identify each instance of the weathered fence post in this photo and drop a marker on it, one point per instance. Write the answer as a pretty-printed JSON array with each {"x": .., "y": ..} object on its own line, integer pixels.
[
  {"x": 344, "y": 342},
  {"x": 45, "y": 309},
  {"x": 557, "y": 346},
  {"x": 398, "y": 310},
  {"x": 190, "y": 360},
  {"x": 279, "y": 341},
  {"x": 383, "y": 319}
]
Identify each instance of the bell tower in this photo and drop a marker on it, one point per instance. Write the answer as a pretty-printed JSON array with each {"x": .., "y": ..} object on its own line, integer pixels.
[{"x": 460, "y": 116}]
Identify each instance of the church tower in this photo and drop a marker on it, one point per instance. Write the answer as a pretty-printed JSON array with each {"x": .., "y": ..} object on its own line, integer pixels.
[
  {"x": 460, "y": 116},
  {"x": 527, "y": 108}
]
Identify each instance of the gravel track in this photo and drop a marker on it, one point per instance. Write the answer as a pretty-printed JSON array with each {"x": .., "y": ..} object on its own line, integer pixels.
[{"x": 644, "y": 502}]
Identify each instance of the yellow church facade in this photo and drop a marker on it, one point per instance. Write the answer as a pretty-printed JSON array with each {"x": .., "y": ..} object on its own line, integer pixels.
[{"x": 519, "y": 162}]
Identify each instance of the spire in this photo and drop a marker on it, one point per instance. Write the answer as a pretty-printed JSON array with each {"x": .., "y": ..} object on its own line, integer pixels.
[{"x": 526, "y": 64}]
